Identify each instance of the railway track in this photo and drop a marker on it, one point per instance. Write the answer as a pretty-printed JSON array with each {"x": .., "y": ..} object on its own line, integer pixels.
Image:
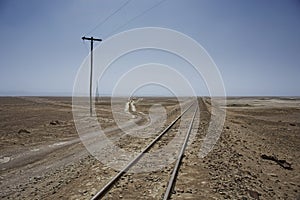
[{"x": 169, "y": 180}]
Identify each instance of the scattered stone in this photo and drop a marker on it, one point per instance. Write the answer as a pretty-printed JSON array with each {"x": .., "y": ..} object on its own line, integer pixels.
[
  {"x": 282, "y": 163},
  {"x": 23, "y": 131},
  {"x": 238, "y": 105},
  {"x": 272, "y": 174},
  {"x": 56, "y": 122},
  {"x": 88, "y": 184},
  {"x": 3, "y": 160},
  {"x": 93, "y": 191},
  {"x": 179, "y": 190},
  {"x": 254, "y": 194}
]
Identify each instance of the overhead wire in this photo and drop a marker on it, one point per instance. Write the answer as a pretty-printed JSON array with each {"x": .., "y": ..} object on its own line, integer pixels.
[
  {"x": 108, "y": 17},
  {"x": 135, "y": 17}
]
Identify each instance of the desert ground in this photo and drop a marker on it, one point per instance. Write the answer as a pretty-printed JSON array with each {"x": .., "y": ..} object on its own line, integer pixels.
[{"x": 257, "y": 156}]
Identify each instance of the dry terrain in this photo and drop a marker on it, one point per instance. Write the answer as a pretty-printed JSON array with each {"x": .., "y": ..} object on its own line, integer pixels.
[{"x": 256, "y": 157}]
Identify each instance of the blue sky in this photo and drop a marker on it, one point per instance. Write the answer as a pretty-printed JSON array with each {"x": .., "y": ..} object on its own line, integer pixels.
[{"x": 255, "y": 44}]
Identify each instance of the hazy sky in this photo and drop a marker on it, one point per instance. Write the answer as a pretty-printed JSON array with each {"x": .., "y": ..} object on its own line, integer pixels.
[{"x": 254, "y": 43}]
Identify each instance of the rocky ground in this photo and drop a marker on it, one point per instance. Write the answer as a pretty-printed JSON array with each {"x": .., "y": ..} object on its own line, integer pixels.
[{"x": 257, "y": 156}]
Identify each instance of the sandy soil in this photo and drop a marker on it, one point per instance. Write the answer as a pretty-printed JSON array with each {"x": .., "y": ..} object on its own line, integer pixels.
[{"x": 257, "y": 156}]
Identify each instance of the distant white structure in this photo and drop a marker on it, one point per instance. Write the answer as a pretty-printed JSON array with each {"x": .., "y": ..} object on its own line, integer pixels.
[
  {"x": 127, "y": 107},
  {"x": 133, "y": 106},
  {"x": 130, "y": 105}
]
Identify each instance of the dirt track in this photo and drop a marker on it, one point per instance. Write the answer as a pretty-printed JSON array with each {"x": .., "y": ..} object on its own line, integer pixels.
[{"x": 42, "y": 156}]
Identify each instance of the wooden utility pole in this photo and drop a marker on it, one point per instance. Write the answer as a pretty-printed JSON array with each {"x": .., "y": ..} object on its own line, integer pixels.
[{"x": 91, "y": 75}]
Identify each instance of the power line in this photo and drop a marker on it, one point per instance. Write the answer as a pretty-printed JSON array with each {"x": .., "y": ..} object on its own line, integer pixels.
[
  {"x": 108, "y": 17},
  {"x": 134, "y": 18}
]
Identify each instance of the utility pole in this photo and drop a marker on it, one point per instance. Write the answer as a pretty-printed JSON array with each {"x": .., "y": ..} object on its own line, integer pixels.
[{"x": 91, "y": 75}]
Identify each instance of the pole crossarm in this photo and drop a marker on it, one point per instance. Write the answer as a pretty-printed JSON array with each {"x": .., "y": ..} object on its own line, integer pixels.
[{"x": 91, "y": 38}]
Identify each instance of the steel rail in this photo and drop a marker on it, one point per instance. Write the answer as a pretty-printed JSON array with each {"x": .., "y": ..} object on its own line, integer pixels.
[
  {"x": 107, "y": 187},
  {"x": 172, "y": 180}
]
